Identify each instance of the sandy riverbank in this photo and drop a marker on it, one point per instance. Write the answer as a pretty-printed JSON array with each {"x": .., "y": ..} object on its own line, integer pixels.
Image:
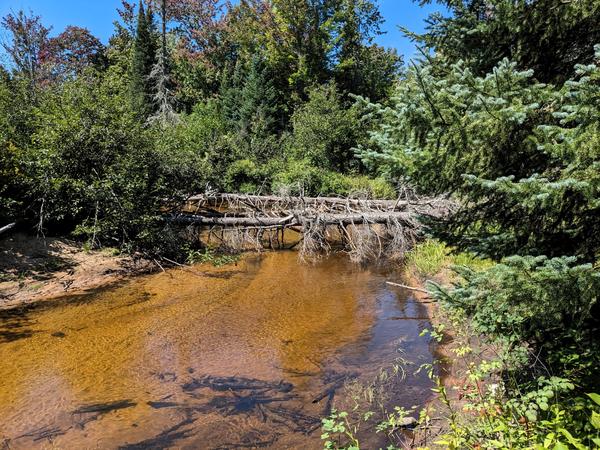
[{"x": 35, "y": 269}]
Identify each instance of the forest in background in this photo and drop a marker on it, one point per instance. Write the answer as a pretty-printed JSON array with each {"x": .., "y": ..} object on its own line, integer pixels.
[
  {"x": 187, "y": 96},
  {"x": 501, "y": 111}
]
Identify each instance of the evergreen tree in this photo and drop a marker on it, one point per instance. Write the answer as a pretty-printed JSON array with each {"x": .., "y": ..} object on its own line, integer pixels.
[
  {"x": 521, "y": 158},
  {"x": 548, "y": 36},
  {"x": 232, "y": 83},
  {"x": 249, "y": 101},
  {"x": 143, "y": 61},
  {"x": 258, "y": 107}
]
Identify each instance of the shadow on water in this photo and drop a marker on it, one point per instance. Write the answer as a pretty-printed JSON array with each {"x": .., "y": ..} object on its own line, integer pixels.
[
  {"x": 15, "y": 324},
  {"x": 84, "y": 415},
  {"x": 248, "y": 358},
  {"x": 265, "y": 400},
  {"x": 165, "y": 439},
  {"x": 20, "y": 323}
]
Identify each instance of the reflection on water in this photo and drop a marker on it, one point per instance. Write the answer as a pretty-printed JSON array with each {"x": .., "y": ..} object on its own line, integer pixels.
[{"x": 250, "y": 356}]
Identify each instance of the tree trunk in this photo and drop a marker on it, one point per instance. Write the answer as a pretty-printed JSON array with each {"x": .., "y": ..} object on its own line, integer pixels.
[{"x": 294, "y": 220}]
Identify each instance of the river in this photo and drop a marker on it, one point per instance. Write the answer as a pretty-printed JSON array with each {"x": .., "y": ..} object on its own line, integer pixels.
[{"x": 244, "y": 356}]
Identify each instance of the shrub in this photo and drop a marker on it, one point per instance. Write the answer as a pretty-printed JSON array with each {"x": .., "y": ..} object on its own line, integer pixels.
[
  {"x": 531, "y": 299},
  {"x": 325, "y": 132},
  {"x": 245, "y": 176}
]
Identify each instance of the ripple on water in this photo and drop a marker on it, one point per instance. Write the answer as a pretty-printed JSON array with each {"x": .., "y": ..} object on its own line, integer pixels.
[{"x": 245, "y": 357}]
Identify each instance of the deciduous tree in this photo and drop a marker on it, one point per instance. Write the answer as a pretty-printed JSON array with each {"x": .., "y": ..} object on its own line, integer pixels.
[
  {"x": 27, "y": 40},
  {"x": 73, "y": 50}
]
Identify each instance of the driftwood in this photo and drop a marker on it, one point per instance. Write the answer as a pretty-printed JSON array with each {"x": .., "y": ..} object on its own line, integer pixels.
[
  {"x": 410, "y": 288},
  {"x": 294, "y": 220},
  {"x": 367, "y": 229},
  {"x": 271, "y": 200},
  {"x": 8, "y": 227}
]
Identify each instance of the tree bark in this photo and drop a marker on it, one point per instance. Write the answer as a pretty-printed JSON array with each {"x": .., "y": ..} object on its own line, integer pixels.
[
  {"x": 293, "y": 220},
  {"x": 306, "y": 201},
  {"x": 8, "y": 227}
]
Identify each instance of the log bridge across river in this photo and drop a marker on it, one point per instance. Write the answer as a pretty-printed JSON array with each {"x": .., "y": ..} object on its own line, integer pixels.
[{"x": 366, "y": 228}]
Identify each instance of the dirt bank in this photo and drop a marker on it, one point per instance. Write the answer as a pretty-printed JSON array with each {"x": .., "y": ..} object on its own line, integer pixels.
[
  {"x": 36, "y": 269},
  {"x": 453, "y": 362}
]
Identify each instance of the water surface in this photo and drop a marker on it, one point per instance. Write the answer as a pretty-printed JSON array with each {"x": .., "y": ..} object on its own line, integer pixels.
[{"x": 244, "y": 356}]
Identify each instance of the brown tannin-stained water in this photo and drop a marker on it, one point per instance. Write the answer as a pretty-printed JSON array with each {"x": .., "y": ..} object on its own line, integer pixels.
[{"x": 245, "y": 356}]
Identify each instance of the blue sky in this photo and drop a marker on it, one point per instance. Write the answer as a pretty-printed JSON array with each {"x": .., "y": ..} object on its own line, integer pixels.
[{"x": 98, "y": 17}]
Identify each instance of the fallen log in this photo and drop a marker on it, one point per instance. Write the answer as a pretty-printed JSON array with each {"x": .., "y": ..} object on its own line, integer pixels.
[
  {"x": 367, "y": 229},
  {"x": 269, "y": 200},
  {"x": 294, "y": 220}
]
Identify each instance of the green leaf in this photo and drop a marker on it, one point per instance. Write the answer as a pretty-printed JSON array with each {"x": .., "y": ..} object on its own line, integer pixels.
[
  {"x": 548, "y": 440},
  {"x": 531, "y": 415},
  {"x": 595, "y": 420},
  {"x": 574, "y": 442},
  {"x": 595, "y": 398}
]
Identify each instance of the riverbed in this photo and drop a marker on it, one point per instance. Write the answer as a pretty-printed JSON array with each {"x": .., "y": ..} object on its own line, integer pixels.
[{"x": 250, "y": 355}]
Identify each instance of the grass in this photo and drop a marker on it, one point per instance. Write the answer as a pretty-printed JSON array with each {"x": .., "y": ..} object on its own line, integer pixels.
[
  {"x": 207, "y": 256},
  {"x": 431, "y": 257},
  {"x": 111, "y": 251}
]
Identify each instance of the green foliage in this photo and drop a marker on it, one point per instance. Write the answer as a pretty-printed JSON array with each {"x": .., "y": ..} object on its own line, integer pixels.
[
  {"x": 10, "y": 177},
  {"x": 324, "y": 132},
  {"x": 303, "y": 178},
  {"x": 442, "y": 127},
  {"x": 518, "y": 153},
  {"x": 85, "y": 143},
  {"x": 196, "y": 148},
  {"x": 299, "y": 177},
  {"x": 306, "y": 43},
  {"x": 521, "y": 159},
  {"x": 94, "y": 169},
  {"x": 363, "y": 67},
  {"x": 431, "y": 257},
  {"x": 250, "y": 107},
  {"x": 142, "y": 62},
  {"x": 546, "y": 416},
  {"x": 528, "y": 298},
  {"x": 338, "y": 433},
  {"x": 244, "y": 176},
  {"x": 543, "y": 35},
  {"x": 210, "y": 257},
  {"x": 357, "y": 185}
]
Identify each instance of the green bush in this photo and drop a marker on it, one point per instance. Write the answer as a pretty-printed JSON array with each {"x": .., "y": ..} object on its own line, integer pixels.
[
  {"x": 300, "y": 177},
  {"x": 325, "y": 132},
  {"x": 528, "y": 299},
  {"x": 546, "y": 415},
  {"x": 244, "y": 176},
  {"x": 347, "y": 185}
]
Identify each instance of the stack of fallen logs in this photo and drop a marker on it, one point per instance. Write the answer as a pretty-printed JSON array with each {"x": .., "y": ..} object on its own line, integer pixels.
[{"x": 365, "y": 228}]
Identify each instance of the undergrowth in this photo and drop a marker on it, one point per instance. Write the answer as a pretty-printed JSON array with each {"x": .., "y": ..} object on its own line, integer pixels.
[
  {"x": 510, "y": 393},
  {"x": 432, "y": 257},
  {"x": 209, "y": 256}
]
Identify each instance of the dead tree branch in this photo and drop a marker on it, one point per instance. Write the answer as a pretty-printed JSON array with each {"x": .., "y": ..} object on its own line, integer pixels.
[{"x": 366, "y": 229}]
